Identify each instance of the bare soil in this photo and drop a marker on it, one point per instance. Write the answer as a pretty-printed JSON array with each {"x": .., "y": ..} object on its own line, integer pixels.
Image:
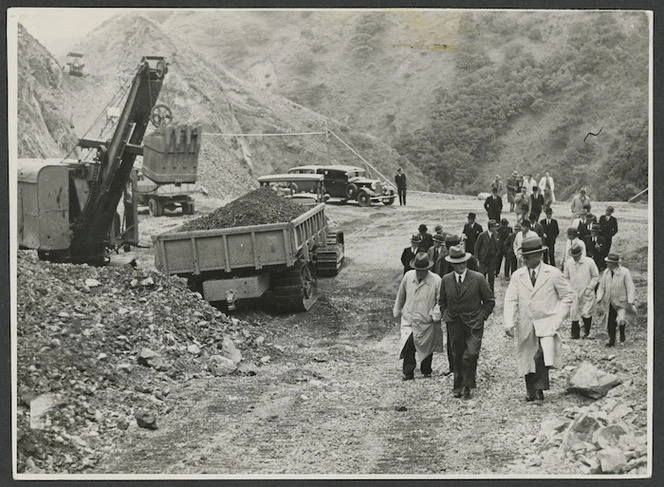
[{"x": 333, "y": 403}]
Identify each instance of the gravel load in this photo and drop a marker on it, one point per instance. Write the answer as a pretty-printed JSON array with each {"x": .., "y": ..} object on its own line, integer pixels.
[
  {"x": 258, "y": 207},
  {"x": 99, "y": 350}
]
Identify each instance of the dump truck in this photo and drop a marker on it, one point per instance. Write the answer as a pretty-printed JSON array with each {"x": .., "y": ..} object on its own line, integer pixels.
[
  {"x": 274, "y": 263},
  {"x": 167, "y": 177}
]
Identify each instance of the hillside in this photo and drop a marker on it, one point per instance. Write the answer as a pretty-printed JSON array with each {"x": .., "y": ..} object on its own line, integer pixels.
[
  {"x": 201, "y": 92},
  {"x": 43, "y": 125},
  {"x": 463, "y": 95}
]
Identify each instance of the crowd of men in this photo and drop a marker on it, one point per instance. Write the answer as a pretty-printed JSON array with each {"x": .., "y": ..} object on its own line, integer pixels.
[{"x": 450, "y": 278}]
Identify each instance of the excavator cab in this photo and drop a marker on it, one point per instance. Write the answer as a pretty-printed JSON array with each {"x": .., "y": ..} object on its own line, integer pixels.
[{"x": 74, "y": 66}]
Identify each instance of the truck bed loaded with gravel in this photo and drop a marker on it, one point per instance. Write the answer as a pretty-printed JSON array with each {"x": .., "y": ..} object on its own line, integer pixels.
[{"x": 258, "y": 247}]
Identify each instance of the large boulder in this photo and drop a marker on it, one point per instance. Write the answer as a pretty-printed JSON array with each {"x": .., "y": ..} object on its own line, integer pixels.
[
  {"x": 584, "y": 427},
  {"x": 609, "y": 437},
  {"x": 229, "y": 351},
  {"x": 590, "y": 381},
  {"x": 220, "y": 366}
]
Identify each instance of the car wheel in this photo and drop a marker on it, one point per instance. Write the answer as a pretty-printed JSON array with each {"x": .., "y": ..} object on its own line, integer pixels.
[
  {"x": 388, "y": 201},
  {"x": 364, "y": 199},
  {"x": 351, "y": 191}
]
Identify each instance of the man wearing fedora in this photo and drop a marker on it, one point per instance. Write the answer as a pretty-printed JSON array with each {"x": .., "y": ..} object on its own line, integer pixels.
[
  {"x": 486, "y": 251},
  {"x": 595, "y": 247},
  {"x": 409, "y": 253},
  {"x": 572, "y": 239},
  {"x": 471, "y": 230},
  {"x": 437, "y": 254},
  {"x": 427, "y": 238},
  {"x": 466, "y": 301},
  {"x": 520, "y": 237},
  {"x": 537, "y": 302},
  {"x": 400, "y": 181},
  {"x": 417, "y": 303},
  {"x": 493, "y": 205},
  {"x": 583, "y": 277},
  {"x": 513, "y": 187},
  {"x": 452, "y": 241},
  {"x": 608, "y": 227},
  {"x": 616, "y": 295}
]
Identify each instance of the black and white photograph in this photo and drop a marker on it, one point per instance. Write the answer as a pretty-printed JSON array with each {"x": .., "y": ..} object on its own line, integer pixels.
[{"x": 319, "y": 243}]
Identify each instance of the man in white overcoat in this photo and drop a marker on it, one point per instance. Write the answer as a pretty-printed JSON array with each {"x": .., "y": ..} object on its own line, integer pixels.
[
  {"x": 583, "y": 275},
  {"x": 616, "y": 295},
  {"x": 572, "y": 239},
  {"x": 537, "y": 302},
  {"x": 417, "y": 303},
  {"x": 548, "y": 187}
]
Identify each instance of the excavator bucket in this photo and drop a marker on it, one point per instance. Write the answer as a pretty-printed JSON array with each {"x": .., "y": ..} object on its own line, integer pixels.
[{"x": 170, "y": 154}]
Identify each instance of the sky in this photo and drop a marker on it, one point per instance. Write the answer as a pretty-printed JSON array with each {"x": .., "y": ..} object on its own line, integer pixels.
[{"x": 58, "y": 27}]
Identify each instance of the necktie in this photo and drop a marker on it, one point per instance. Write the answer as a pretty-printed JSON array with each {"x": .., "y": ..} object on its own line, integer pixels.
[
  {"x": 435, "y": 255},
  {"x": 611, "y": 274},
  {"x": 533, "y": 276}
]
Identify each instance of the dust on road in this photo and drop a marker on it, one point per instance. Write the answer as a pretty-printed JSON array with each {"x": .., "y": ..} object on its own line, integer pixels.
[{"x": 328, "y": 404}]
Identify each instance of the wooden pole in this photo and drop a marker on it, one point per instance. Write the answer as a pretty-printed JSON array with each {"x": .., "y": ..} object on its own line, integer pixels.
[{"x": 637, "y": 195}]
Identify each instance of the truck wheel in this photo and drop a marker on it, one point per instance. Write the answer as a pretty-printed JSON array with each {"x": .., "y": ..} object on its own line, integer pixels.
[
  {"x": 389, "y": 201},
  {"x": 364, "y": 199},
  {"x": 296, "y": 289},
  {"x": 154, "y": 205}
]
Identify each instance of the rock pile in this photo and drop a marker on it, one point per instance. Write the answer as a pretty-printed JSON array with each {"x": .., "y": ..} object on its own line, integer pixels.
[
  {"x": 258, "y": 207},
  {"x": 97, "y": 348},
  {"x": 605, "y": 437}
]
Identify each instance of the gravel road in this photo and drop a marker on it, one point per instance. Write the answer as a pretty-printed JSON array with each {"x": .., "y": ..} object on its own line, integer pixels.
[{"x": 333, "y": 401}]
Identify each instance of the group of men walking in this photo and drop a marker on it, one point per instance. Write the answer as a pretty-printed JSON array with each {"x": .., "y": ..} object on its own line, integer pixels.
[{"x": 450, "y": 278}]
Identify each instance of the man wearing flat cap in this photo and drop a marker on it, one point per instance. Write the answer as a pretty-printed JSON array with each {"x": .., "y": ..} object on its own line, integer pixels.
[
  {"x": 616, "y": 294},
  {"x": 537, "y": 302},
  {"x": 583, "y": 277},
  {"x": 409, "y": 253},
  {"x": 417, "y": 304},
  {"x": 486, "y": 251},
  {"x": 466, "y": 301}
]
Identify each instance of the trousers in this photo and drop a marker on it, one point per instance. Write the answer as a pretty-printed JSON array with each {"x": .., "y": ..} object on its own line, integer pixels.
[
  {"x": 466, "y": 342},
  {"x": 540, "y": 379},
  {"x": 402, "y": 195},
  {"x": 409, "y": 361}
]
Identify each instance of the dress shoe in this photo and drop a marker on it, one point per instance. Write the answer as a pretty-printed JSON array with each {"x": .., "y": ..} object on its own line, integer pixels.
[
  {"x": 427, "y": 376},
  {"x": 408, "y": 377},
  {"x": 466, "y": 392},
  {"x": 539, "y": 395},
  {"x": 610, "y": 344},
  {"x": 530, "y": 396},
  {"x": 447, "y": 372},
  {"x": 457, "y": 392}
]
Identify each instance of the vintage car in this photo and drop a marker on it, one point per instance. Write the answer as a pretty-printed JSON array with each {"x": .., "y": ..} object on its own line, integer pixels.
[
  {"x": 350, "y": 183},
  {"x": 305, "y": 189}
]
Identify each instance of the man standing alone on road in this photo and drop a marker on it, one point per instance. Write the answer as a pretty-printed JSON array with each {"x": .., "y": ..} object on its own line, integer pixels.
[
  {"x": 465, "y": 303},
  {"x": 417, "y": 304},
  {"x": 486, "y": 251},
  {"x": 537, "y": 302},
  {"x": 400, "y": 181},
  {"x": 493, "y": 205}
]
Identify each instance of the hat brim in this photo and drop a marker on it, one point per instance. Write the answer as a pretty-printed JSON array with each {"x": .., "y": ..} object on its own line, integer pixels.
[
  {"x": 606, "y": 259},
  {"x": 412, "y": 266},
  {"x": 458, "y": 260},
  {"x": 536, "y": 251}
]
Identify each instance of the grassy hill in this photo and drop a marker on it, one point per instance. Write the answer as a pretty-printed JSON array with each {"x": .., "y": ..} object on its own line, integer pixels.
[{"x": 463, "y": 95}]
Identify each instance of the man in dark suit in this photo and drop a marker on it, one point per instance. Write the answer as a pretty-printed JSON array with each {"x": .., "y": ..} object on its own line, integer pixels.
[
  {"x": 437, "y": 254},
  {"x": 493, "y": 205},
  {"x": 451, "y": 241},
  {"x": 427, "y": 238},
  {"x": 409, "y": 253},
  {"x": 536, "y": 202},
  {"x": 535, "y": 226},
  {"x": 551, "y": 232},
  {"x": 583, "y": 225},
  {"x": 503, "y": 234},
  {"x": 608, "y": 228},
  {"x": 465, "y": 303},
  {"x": 471, "y": 230},
  {"x": 400, "y": 181},
  {"x": 596, "y": 247},
  {"x": 486, "y": 251}
]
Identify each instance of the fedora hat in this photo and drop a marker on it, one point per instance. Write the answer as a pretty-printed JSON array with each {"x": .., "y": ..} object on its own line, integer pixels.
[
  {"x": 576, "y": 249},
  {"x": 532, "y": 245},
  {"x": 472, "y": 215},
  {"x": 615, "y": 258},
  {"x": 492, "y": 223},
  {"x": 452, "y": 240},
  {"x": 595, "y": 227},
  {"x": 457, "y": 255},
  {"x": 416, "y": 239},
  {"x": 572, "y": 231},
  {"x": 422, "y": 227},
  {"x": 421, "y": 262},
  {"x": 438, "y": 238}
]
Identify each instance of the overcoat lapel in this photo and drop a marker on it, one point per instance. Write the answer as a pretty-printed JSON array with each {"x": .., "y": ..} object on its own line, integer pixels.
[
  {"x": 464, "y": 285},
  {"x": 544, "y": 276}
]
